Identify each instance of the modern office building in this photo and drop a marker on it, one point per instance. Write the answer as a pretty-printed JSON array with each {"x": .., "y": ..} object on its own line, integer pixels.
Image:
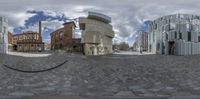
[
  {"x": 141, "y": 42},
  {"x": 3, "y": 35},
  {"x": 177, "y": 34},
  {"x": 97, "y": 34}
]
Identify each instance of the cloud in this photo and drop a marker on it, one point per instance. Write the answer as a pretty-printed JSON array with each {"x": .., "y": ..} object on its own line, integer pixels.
[{"x": 128, "y": 16}]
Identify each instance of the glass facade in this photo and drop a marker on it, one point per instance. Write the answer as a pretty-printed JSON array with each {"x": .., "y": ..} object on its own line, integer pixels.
[{"x": 1, "y": 24}]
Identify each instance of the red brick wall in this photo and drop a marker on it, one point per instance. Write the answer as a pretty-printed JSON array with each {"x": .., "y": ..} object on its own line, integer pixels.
[
  {"x": 62, "y": 38},
  {"x": 9, "y": 38}
]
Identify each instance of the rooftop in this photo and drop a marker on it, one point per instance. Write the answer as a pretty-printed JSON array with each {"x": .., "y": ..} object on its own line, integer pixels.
[{"x": 99, "y": 16}]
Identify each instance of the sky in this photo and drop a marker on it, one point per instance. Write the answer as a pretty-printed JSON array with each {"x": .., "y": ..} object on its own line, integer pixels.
[{"x": 128, "y": 16}]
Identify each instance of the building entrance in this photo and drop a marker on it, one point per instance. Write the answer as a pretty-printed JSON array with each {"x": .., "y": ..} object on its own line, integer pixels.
[
  {"x": 171, "y": 48},
  {"x": 15, "y": 47}
]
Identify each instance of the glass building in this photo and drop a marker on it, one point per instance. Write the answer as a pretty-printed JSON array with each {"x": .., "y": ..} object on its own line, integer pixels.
[
  {"x": 177, "y": 34},
  {"x": 3, "y": 35}
]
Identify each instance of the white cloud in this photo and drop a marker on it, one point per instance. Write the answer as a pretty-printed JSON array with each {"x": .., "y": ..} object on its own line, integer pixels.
[
  {"x": 21, "y": 17},
  {"x": 127, "y": 15},
  {"x": 55, "y": 24}
]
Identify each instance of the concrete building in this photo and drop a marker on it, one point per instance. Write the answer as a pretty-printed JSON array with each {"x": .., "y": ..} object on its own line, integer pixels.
[
  {"x": 27, "y": 42},
  {"x": 97, "y": 34},
  {"x": 3, "y": 35},
  {"x": 177, "y": 34},
  {"x": 64, "y": 38}
]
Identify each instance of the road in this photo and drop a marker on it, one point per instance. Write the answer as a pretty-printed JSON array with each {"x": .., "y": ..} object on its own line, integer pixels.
[{"x": 117, "y": 76}]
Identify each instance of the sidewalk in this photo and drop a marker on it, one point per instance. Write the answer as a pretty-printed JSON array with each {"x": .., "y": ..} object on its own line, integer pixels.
[
  {"x": 39, "y": 54},
  {"x": 131, "y": 53}
]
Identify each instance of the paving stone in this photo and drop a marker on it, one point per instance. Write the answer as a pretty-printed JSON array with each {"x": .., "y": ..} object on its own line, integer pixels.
[
  {"x": 147, "y": 95},
  {"x": 140, "y": 91},
  {"x": 125, "y": 93},
  {"x": 21, "y": 93},
  {"x": 135, "y": 87},
  {"x": 37, "y": 84},
  {"x": 169, "y": 88},
  {"x": 10, "y": 87},
  {"x": 159, "y": 75},
  {"x": 182, "y": 94}
]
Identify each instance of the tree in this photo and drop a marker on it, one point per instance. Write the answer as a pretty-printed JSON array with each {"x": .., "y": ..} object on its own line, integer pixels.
[{"x": 124, "y": 46}]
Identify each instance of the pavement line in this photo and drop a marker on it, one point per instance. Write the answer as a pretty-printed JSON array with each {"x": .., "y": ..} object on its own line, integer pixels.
[{"x": 26, "y": 71}]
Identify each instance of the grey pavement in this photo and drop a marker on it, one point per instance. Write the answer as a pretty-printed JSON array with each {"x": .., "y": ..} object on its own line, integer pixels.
[{"x": 110, "y": 76}]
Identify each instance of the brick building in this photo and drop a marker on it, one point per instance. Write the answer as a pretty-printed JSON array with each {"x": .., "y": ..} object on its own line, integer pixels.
[
  {"x": 64, "y": 38},
  {"x": 27, "y": 42},
  {"x": 10, "y": 46}
]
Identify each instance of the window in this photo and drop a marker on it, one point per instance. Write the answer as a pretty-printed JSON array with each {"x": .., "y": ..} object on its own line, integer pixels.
[
  {"x": 61, "y": 34},
  {"x": 1, "y": 19},
  {"x": 166, "y": 37},
  {"x": 180, "y": 35},
  {"x": 82, "y": 26},
  {"x": 4, "y": 20},
  {"x": 188, "y": 26},
  {"x": 155, "y": 26},
  {"x": 189, "y": 36},
  {"x": 177, "y": 16},
  {"x": 172, "y": 26},
  {"x": 198, "y": 38},
  {"x": 163, "y": 28},
  {"x": 181, "y": 16},
  {"x": 1, "y": 24},
  {"x": 175, "y": 35},
  {"x": 158, "y": 46},
  {"x": 195, "y": 28},
  {"x": 4, "y": 29},
  {"x": 66, "y": 34}
]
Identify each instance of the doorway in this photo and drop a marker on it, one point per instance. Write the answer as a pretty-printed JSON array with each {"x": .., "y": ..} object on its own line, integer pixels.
[
  {"x": 15, "y": 47},
  {"x": 171, "y": 48}
]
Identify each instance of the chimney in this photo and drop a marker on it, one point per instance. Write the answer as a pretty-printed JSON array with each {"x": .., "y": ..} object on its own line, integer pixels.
[{"x": 40, "y": 31}]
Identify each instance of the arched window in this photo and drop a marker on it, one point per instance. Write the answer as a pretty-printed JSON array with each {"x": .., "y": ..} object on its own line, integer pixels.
[{"x": 61, "y": 34}]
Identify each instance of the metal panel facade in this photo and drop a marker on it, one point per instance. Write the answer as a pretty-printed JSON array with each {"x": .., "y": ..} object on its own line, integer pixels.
[{"x": 181, "y": 31}]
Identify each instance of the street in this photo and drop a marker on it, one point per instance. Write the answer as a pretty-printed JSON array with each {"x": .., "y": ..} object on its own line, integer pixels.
[{"x": 108, "y": 76}]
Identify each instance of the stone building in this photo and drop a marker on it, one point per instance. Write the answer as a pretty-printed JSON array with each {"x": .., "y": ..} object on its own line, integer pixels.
[
  {"x": 177, "y": 34},
  {"x": 64, "y": 38},
  {"x": 3, "y": 35},
  {"x": 27, "y": 42},
  {"x": 97, "y": 34}
]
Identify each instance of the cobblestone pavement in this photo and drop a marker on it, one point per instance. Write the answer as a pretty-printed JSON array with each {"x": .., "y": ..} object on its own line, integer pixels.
[{"x": 120, "y": 76}]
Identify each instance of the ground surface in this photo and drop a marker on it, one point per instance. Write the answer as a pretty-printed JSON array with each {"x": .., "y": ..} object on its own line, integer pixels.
[{"x": 107, "y": 76}]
